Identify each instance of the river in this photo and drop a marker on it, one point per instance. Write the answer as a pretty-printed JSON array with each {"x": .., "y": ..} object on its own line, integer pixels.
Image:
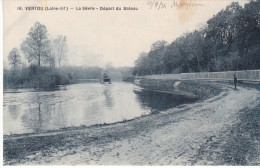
[{"x": 83, "y": 104}]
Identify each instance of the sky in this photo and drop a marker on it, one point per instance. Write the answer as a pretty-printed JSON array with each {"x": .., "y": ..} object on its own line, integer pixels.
[{"x": 101, "y": 38}]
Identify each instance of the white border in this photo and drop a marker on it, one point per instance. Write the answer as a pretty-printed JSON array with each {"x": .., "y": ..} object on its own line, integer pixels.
[{"x": 1, "y": 80}]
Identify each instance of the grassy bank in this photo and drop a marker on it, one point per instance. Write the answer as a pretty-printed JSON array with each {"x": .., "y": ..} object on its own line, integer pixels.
[{"x": 34, "y": 77}]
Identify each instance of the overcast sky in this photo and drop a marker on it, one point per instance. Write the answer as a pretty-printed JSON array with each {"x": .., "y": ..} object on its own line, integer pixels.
[{"x": 98, "y": 38}]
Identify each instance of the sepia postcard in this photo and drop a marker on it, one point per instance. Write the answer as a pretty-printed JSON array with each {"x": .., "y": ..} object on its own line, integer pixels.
[{"x": 131, "y": 82}]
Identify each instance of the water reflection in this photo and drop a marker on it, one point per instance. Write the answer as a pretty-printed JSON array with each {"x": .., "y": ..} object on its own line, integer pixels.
[
  {"x": 33, "y": 117},
  {"x": 13, "y": 111},
  {"x": 108, "y": 97},
  {"x": 42, "y": 112},
  {"x": 158, "y": 101}
]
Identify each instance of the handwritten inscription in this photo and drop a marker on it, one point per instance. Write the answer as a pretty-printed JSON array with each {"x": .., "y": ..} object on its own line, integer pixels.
[
  {"x": 164, "y": 4},
  {"x": 153, "y": 4}
]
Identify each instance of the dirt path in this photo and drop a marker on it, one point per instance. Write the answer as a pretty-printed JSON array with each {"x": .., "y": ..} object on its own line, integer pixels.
[{"x": 222, "y": 130}]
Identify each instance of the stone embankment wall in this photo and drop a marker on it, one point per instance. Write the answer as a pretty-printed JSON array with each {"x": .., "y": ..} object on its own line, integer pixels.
[
  {"x": 195, "y": 84},
  {"x": 189, "y": 88}
]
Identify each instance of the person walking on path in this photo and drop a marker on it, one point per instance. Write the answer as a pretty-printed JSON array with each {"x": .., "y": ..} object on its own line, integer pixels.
[{"x": 235, "y": 81}]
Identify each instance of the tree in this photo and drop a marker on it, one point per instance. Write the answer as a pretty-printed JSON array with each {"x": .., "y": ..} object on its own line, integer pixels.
[
  {"x": 60, "y": 48},
  {"x": 141, "y": 65},
  {"x": 52, "y": 57},
  {"x": 14, "y": 57},
  {"x": 36, "y": 47},
  {"x": 176, "y": 59},
  {"x": 51, "y": 61},
  {"x": 156, "y": 56},
  {"x": 229, "y": 41},
  {"x": 247, "y": 36}
]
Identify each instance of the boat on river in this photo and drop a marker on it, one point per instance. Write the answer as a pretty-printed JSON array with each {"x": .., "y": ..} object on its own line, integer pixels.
[{"x": 105, "y": 78}]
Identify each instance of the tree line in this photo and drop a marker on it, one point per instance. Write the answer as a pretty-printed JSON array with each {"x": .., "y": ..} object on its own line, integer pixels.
[
  {"x": 38, "y": 49},
  {"x": 43, "y": 55},
  {"x": 230, "y": 40}
]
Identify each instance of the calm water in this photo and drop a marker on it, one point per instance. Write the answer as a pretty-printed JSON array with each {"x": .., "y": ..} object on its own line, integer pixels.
[{"x": 27, "y": 111}]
